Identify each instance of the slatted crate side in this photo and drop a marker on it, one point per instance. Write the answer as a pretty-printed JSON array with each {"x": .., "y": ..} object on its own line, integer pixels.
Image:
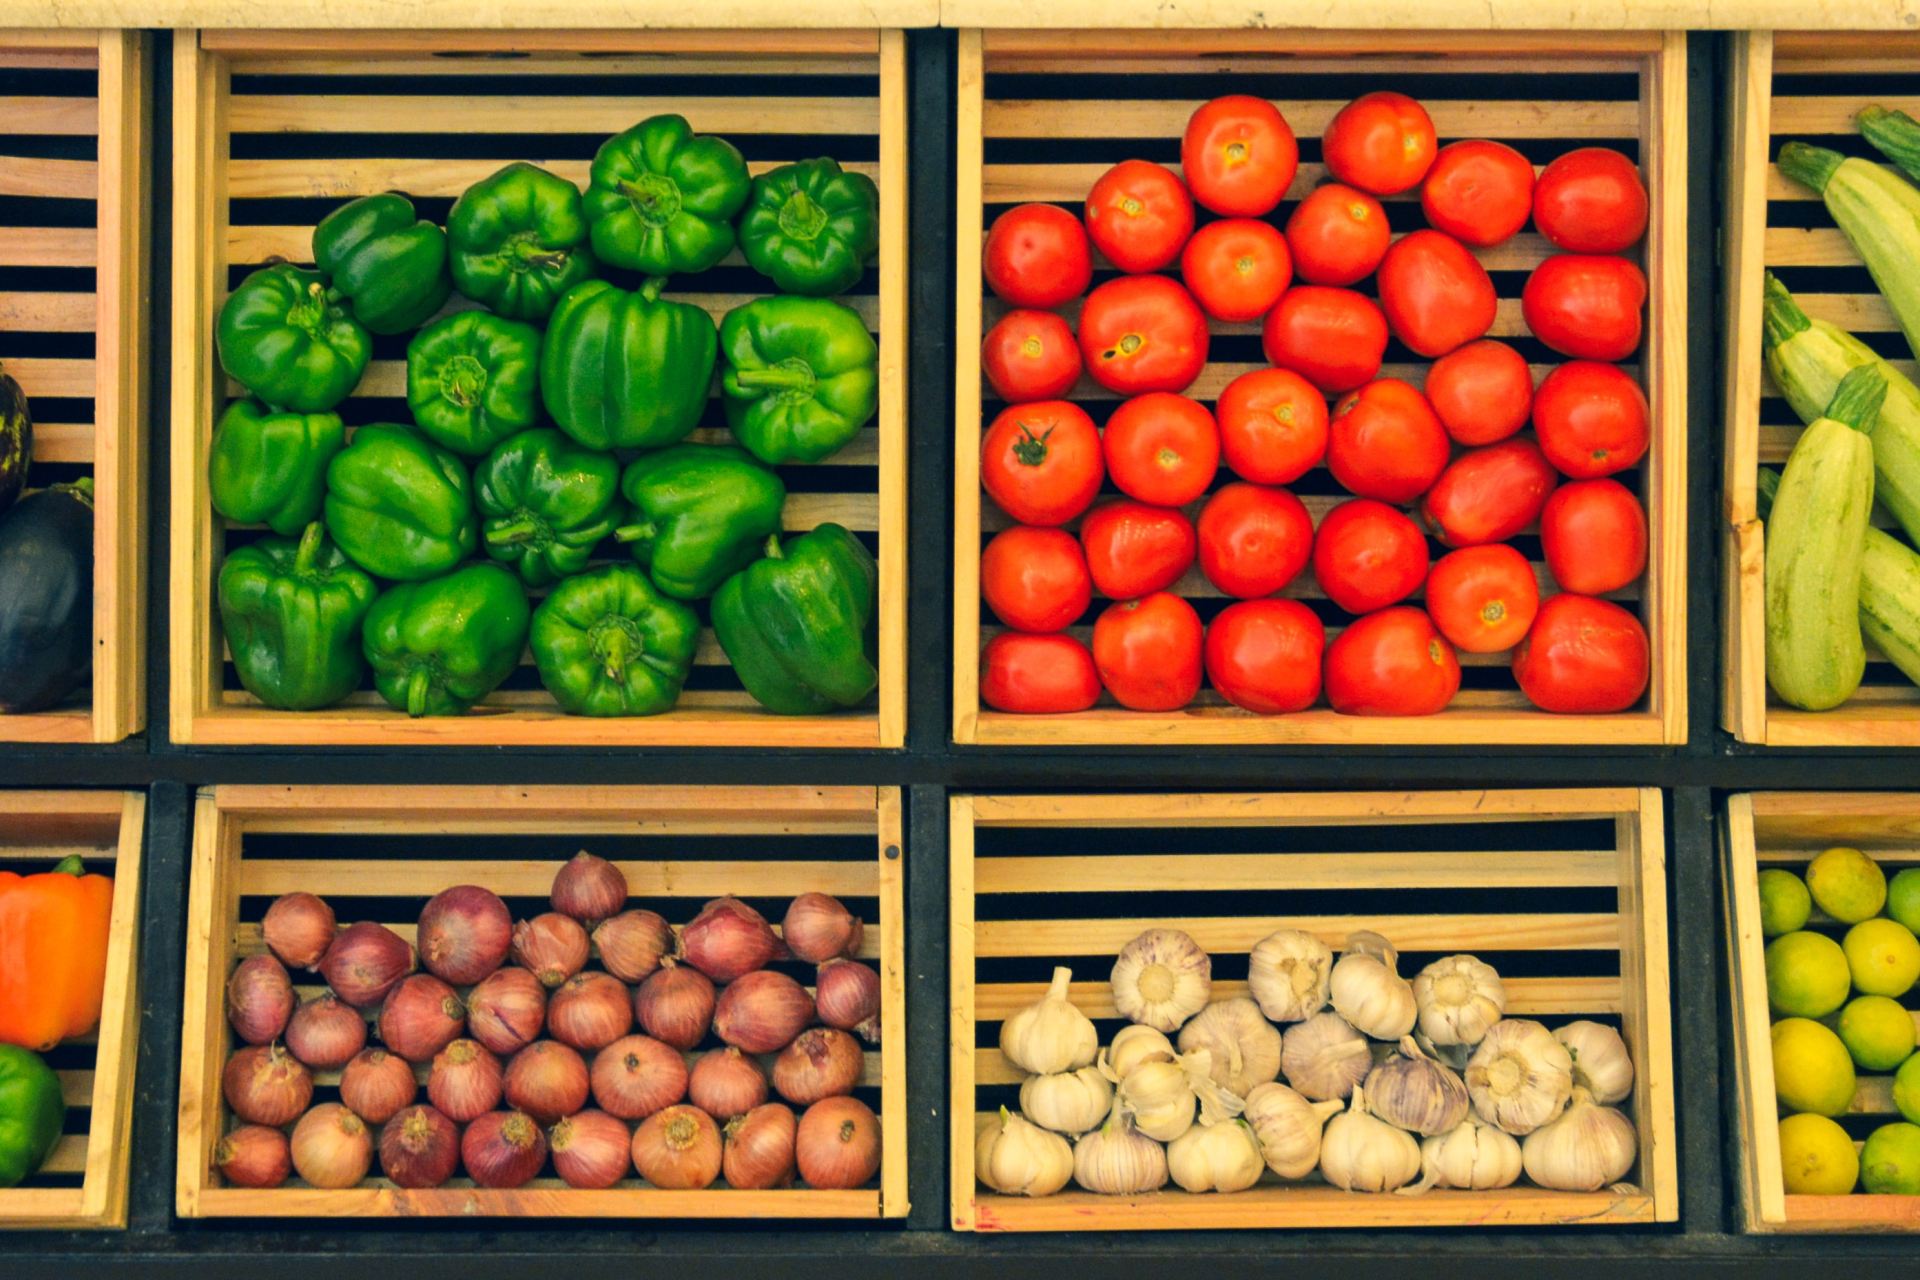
[
  {"x": 286, "y": 129},
  {"x": 1561, "y": 891},
  {"x": 1042, "y": 115},
  {"x": 379, "y": 854}
]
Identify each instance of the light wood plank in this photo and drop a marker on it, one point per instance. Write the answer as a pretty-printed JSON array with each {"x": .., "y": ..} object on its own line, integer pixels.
[
  {"x": 431, "y": 113},
  {"x": 54, "y": 179},
  {"x": 1526, "y": 997},
  {"x": 1567, "y": 931},
  {"x": 258, "y": 179},
  {"x": 47, "y": 246},
  {"x": 1307, "y": 1207},
  {"x": 1167, "y": 118},
  {"x": 665, "y": 878},
  {"x": 1172, "y": 871},
  {"x": 55, "y": 117}
]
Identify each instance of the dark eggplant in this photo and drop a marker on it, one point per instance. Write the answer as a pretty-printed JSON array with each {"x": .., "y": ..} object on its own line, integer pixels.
[
  {"x": 16, "y": 441},
  {"x": 46, "y": 596}
]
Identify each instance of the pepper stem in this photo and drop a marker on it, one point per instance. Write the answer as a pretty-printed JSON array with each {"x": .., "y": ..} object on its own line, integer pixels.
[
  {"x": 81, "y": 489},
  {"x": 614, "y": 647},
  {"x": 309, "y": 552},
  {"x": 71, "y": 865},
  {"x": 640, "y": 532},
  {"x": 774, "y": 550},
  {"x": 419, "y": 685},
  {"x": 509, "y": 533},
  {"x": 650, "y": 288},
  {"x": 775, "y": 379}
]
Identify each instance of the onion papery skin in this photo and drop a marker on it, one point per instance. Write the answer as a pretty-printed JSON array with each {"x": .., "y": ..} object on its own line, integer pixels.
[
  {"x": 259, "y": 1000},
  {"x": 377, "y": 1085},
  {"x": 591, "y": 1151},
  {"x": 675, "y": 1006},
  {"x": 299, "y": 928},
  {"x": 465, "y": 934},
  {"x": 264, "y": 1084},
  {"x": 503, "y": 1150},
  {"x": 547, "y": 1080},
  {"x": 762, "y": 1012},
  {"x": 365, "y": 962},
  {"x": 419, "y": 1148},
  {"x": 758, "y": 1153},
  {"x": 837, "y": 1145},
  {"x": 678, "y": 1149},
  {"x": 507, "y": 1011},
  {"x": 636, "y": 1076}
]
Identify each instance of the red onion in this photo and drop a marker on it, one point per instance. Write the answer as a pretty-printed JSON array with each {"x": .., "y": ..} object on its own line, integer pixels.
[
  {"x": 847, "y": 996},
  {"x": 419, "y": 1148},
  {"x": 818, "y": 929},
  {"x": 637, "y": 1076},
  {"x": 365, "y": 962},
  {"x": 590, "y": 1011},
  {"x": 591, "y": 1151},
  {"x": 547, "y": 1080},
  {"x": 299, "y": 929},
  {"x": 675, "y": 1005},
  {"x": 589, "y": 889},
  {"x": 729, "y": 939},
  {"x": 376, "y": 1085},
  {"x": 264, "y": 1084},
  {"x": 259, "y": 999},
  {"x": 331, "y": 1148},
  {"x": 421, "y": 1016},
  {"x": 820, "y": 1063},
  {"x": 726, "y": 1083},
  {"x": 254, "y": 1156},
  {"x": 465, "y": 933},
  {"x": 503, "y": 1149},
  {"x": 506, "y": 1011},
  {"x": 466, "y": 1081},
  {"x": 762, "y": 1012},
  {"x": 326, "y": 1032},
  {"x": 678, "y": 1149},
  {"x": 838, "y": 1144},
  {"x": 759, "y": 1149},
  {"x": 632, "y": 944},
  {"x": 553, "y": 946}
]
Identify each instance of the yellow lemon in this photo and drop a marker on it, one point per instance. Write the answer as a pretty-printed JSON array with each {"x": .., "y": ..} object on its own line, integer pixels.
[
  {"x": 1811, "y": 1069},
  {"x": 1785, "y": 903},
  {"x": 1883, "y": 956},
  {"x": 1890, "y": 1162},
  {"x": 1807, "y": 975},
  {"x": 1903, "y": 898},
  {"x": 1847, "y": 884},
  {"x": 1877, "y": 1032},
  {"x": 1817, "y": 1157}
]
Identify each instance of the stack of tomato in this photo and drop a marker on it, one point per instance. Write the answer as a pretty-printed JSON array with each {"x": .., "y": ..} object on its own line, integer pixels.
[{"x": 1451, "y": 460}]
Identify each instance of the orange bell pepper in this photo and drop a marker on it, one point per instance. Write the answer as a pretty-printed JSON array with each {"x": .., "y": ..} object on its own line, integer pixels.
[{"x": 53, "y": 954}]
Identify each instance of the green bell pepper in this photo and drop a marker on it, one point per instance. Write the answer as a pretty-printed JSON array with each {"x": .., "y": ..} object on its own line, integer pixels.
[
  {"x": 608, "y": 644},
  {"x": 661, "y": 200},
  {"x": 292, "y": 613},
  {"x": 627, "y": 370},
  {"x": 32, "y": 1113},
  {"x": 797, "y": 625},
  {"x": 285, "y": 337},
  {"x": 546, "y": 503},
  {"x": 701, "y": 513},
  {"x": 519, "y": 241},
  {"x": 802, "y": 377},
  {"x": 270, "y": 467},
  {"x": 810, "y": 226},
  {"x": 399, "y": 507},
  {"x": 390, "y": 265},
  {"x": 438, "y": 647},
  {"x": 473, "y": 379}
]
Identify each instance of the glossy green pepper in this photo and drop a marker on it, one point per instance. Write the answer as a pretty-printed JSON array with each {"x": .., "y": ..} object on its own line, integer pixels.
[
  {"x": 627, "y": 370},
  {"x": 519, "y": 241},
  {"x": 661, "y": 200},
  {"x": 389, "y": 264},
  {"x": 438, "y": 647},
  {"x": 292, "y": 613},
  {"x": 797, "y": 624},
  {"x": 473, "y": 379},
  {"x": 802, "y": 377},
  {"x": 32, "y": 1113},
  {"x": 399, "y": 506},
  {"x": 546, "y": 503},
  {"x": 810, "y": 226},
  {"x": 270, "y": 467},
  {"x": 701, "y": 513},
  {"x": 608, "y": 644},
  {"x": 285, "y": 337}
]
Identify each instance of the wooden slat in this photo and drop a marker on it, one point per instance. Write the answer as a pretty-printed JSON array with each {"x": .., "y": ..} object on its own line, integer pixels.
[
  {"x": 59, "y": 117},
  {"x": 39, "y": 376},
  {"x": 1526, "y": 998},
  {"x": 734, "y": 32},
  {"x": 1161, "y": 872},
  {"x": 428, "y": 113},
  {"x": 47, "y": 246},
  {"x": 58, "y": 179},
  {"x": 48, "y": 312},
  {"x": 1569, "y": 931},
  {"x": 256, "y": 179},
  {"x": 353, "y": 877},
  {"x": 1802, "y": 116},
  {"x": 62, "y": 442},
  {"x": 1167, "y": 118}
]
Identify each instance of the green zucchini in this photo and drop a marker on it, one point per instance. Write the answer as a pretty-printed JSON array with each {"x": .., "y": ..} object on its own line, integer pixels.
[
  {"x": 1894, "y": 134},
  {"x": 1880, "y": 212}
]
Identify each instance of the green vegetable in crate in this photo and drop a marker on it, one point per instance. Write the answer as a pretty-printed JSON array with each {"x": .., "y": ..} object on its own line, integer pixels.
[
  {"x": 473, "y": 379},
  {"x": 32, "y": 1113},
  {"x": 627, "y": 370},
  {"x": 661, "y": 200},
  {"x": 701, "y": 513},
  {"x": 797, "y": 625},
  {"x": 1880, "y": 212},
  {"x": 810, "y": 226},
  {"x": 16, "y": 440},
  {"x": 284, "y": 335},
  {"x": 399, "y": 506},
  {"x": 292, "y": 613},
  {"x": 519, "y": 241},
  {"x": 269, "y": 466},
  {"x": 546, "y": 503},
  {"x": 608, "y": 644},
  {"x": 438, "y": 647},
  {"x": 1894, "y": 134},
  {"x": 802, "y": 377},
  {"x": 391, "y": 265}
]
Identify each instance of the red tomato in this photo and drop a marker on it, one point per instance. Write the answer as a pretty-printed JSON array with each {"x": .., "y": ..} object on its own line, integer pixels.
[
  {"x": 1481, "y": 393},
  {"x": 1264, "y": 655},
  {"x": 1483, "y": 598},
  {"x": 1041, "y": 461},
  {"x": 1385, "y": 443},
  {"x": 1591, "y": 419},
  {"x": 1479, "y": 192},
  {"x": 1594, "y": 535},
  {"x": 1134, "y": 550},
  {"x": 1139, "y": 214},
  {"x": 1338, "y": 235},
  {"x": 1035, "y": 579},
  {"x": 1239, "y": 156},
  {"x": 1391, "y": 663},
  {"x": 1148, "y": 652},
  {"x": 1334, "y": 338},
  {"x": 1030, "y": 355},
  {"x": 1489, "y": 495},
  {"x": 1436, "y": 294},
  {"x": 1583, "y": 655},
  {"x": 1368, "y": 555},
  {"x": 1585, "y": 306},
  {"x": 1591, "y": 201},
  {"x": 1143, "y": 333},
  {"x": 1237, "y": 268},
  {"x": 1254, "y": 540},
  {"x": 1273, "y": 426},
  {"x": 1037, "y": 256},
  {"x": 1044, "y": 675},
  {"x": 1380, "y": 142},
  {"x": 1162, "y": 448}
]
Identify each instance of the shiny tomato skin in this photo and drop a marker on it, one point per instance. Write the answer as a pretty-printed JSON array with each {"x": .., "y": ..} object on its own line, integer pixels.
[
  {"x": 1334, "y": 338},
  {"x": 1368, "y": 555},
  {"x": 1385, "y": 442},
  {"x": 1391, "y": 663},
  {"x": 1239, "y": 155},
  {"x": 1041, "y": 461},
  {"x": 1035, "y": 579},
  {"x": 1489, "y": 494},
  {"x": 1586, "y": 306},
  {"x": 1237, "y": 268},
  {"x": 1254, "y": 540},
  {"x": 1264, "y": 656},
  {"x": 1139, "y": 215},
  {"x": 1593, "y": 535},
  {"x": 1148, "y": 652},
  {"x": 1030, "y": 355},
  {"x": 1338, "y": 235},
  {"x": 1435, "y": 293},
  {"x": 1135, "y": 549},
  {"x": 1591, "y": 201},
  {"x": 1143, "y": 333},
  {"x": 1037, "y": 674},
  {"x": 1162, "y": 448},
  {"x": 1380, "y": 142},
  {"x": 1482, "y": 393},
  {"x": 1273, "y": 426},
  {"x": 1583, "y": 656},
  {"x": 1478, "y": 192},
  {"x": 1483, "y": 599},
  {"x": 1592, "y": 419},
  {"x": 1037, "y": 256}
]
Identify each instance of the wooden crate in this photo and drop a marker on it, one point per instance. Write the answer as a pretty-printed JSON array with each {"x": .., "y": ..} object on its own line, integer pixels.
[
  {"x": 73, "y": 321},
  {"x": 1042, "y": 114},
  {"x": 84, "y": 1182},
  {"x": 380, "y": 852},
  {"x": 1563, "y": 891},
  {"x": 1789, "y": 828},
  {"x": 257, "y": 116}
]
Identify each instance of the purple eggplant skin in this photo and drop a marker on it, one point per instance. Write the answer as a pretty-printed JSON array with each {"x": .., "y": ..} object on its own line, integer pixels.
[
  {"x": 46, "y": 597},
  {"x": 16, "y": 441}
]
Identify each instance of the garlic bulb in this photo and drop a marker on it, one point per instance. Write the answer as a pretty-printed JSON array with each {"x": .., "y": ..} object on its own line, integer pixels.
[
  {"x": 1244, "y": 1045},
  {"x": 1131, "y": 1047},
  {"x": 1360, "y": 1153},
  {"x": 1288, "y": 1128},
  {"x": 1017, "y": 1158},
  {"x": 1117, "y": 1160},
  {"x": 1216, "y": 1157},
  {"x": 1161, "y": 979},
  {"x": 1050, "y": 1035},
  {"x": 1520, "y": 1076},
  {"x": 1472, "y": 1156},
  {"x": 1601, "y": 1063},
  {"x": 1069, "y": 1102},
  {"x": 1460, "y": 998},
  {"x": 1160, "y": 1096},
  {"x": 1288, "y": 973},
  {"x": 1367, "y": 992},
  {"x": 1587, "y": 1148},
  {"x": 1411, "y": 1091},
  {"x": 1324, "y": 1058}
]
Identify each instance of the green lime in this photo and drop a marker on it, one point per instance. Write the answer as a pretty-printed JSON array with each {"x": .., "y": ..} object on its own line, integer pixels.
[
  {"x": 1847, "y": 884},
  {"x": 1811, "y": 1069},
  {"x": 1906, "y": 1089},
  {"x": 1884, "y": 957},
  {"x": 1890, "y": 1162},
  {"x": 1807, "y": 975},
  {"x": 1785, "y": 903},
  {"x": 1903, "y": 898},
  {"x": 1877, "y": 1032},
  {"x": 1817, "y": 1157}
]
